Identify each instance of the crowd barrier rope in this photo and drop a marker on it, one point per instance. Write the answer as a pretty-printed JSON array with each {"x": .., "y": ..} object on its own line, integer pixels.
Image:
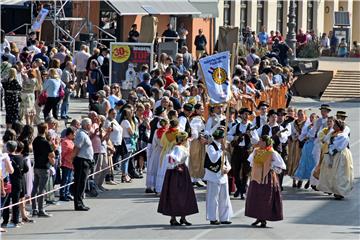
[{"x": 56, "y": 189}]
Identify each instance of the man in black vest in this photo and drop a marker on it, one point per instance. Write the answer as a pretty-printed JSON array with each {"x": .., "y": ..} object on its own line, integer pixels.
[
  {"x": 242, "y": 136},
  {"x": 184, "y": 124},
  {"x": 260, "y": 120},
  {"x": 285, "y": 123}
]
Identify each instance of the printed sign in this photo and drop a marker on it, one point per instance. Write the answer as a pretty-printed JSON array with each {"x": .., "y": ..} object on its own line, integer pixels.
[
  {"x": 216, "y": 71},
  {"x": 126, "y": 61}
]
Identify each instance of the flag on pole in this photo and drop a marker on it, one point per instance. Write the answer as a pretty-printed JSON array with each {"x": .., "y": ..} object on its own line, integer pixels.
[{"x": 216, "y": 74}]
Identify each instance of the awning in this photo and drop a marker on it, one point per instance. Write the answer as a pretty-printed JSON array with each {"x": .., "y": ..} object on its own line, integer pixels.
[
  {"x": 208, "y": 8},
  {"x": 154, "y": 7}
]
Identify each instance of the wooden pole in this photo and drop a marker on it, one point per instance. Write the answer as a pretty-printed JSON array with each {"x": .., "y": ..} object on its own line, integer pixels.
[{"x": 232, "y": 66}]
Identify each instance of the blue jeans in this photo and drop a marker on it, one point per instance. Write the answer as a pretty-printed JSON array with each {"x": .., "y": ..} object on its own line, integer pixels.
[
  {"x": 125, "y": 164},
  {"x": 64, "y": 108},
  {"x": 65, "y": 179}
]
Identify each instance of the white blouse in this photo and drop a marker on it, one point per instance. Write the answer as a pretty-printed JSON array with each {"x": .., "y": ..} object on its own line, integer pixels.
[
  {"x": 277, "y": 160},
  {"x": 197, "y": 126},
  {"x": 178, "y": 155},
  {"x": 341, "y": 141}
]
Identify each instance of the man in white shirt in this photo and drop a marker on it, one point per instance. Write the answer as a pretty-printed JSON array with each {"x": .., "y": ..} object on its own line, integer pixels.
[
  {"x": 242, "y": 136},
  {"x": 184, "y": 124},
  {"x": 260, "y": 120},
  {"x": 218, "y": 204},
  {"x": 214, "y": 121},
  {"x": 33, "y": 47},
  {"x": 250, "y": 58},
  {"x": 80, "y": 61},
  {"x": 4, "y": 43}
]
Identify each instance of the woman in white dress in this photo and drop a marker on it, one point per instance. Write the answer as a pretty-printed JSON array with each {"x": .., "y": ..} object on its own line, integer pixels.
[{"x": 337, "y": 172}]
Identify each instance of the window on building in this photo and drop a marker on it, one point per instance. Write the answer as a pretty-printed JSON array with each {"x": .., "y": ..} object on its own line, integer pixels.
[
  {"x": 243, "y": 14},
  {"x": 310, "y": 15},
  {"x": 227, "y": 13},
  {"x": 260, "y": 15},
  {"x": 279, "y": 16}
]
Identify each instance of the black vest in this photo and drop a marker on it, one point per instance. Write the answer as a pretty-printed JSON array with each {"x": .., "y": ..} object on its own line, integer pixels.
[
  {"x": 187, "y": 125},
  {"x": 257, "y": 121},
  {"x": 274, "y": 130},
  {"x": 214, "y": 167},
  {"x": 246, "y": 136}
]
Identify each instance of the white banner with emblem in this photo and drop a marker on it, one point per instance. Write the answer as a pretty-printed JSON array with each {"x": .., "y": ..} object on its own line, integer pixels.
[{"x": 216, "y": 72}]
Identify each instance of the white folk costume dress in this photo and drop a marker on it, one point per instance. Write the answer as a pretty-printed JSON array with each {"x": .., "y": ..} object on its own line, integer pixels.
[
  {"x": 177, "y": 196},
  {"x": 197, "y": 149},
  {"x": 154, "y": 159},
  {"x": 218, "y": 204},
  {"x": 337, "y": 172},
  {"x": 239, "y": 164},
  {"x": 263, "y": 199},
  {"x": 167, "y": 142}
]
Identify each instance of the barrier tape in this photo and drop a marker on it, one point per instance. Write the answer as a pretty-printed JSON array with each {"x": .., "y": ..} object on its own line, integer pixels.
[{"x": 90, "y": 175}]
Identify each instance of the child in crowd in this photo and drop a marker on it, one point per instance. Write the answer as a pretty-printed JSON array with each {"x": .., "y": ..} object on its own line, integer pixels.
[{"x": 67, "y": 148}]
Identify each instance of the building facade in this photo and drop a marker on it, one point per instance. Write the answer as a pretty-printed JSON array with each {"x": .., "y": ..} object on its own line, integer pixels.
[{"x": 311, "y": 14}]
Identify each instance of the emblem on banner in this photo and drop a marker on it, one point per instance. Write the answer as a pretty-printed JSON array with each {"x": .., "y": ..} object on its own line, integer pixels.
[
  {"x": 120, "y": 54},
  {"x": 218, "y": 75}
]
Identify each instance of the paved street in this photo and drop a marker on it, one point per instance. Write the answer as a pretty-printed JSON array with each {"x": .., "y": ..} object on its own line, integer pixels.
[{"x": 126, "y": 212}]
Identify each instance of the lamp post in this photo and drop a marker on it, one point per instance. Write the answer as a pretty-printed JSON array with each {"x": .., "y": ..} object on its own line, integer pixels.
[{"x": 291, "y": 34}]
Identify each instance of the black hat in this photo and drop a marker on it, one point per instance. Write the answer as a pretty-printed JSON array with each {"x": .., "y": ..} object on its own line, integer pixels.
[
  {"x": 341, "y": 114},
  {"x": 268, "y": 70},
  {"x": 188, "y": 107},
  {"x": 219, "y": 133},
  {"x": 244, "y": 110},
  {"x": 325, "y": 107},
  {"x": 281, "y": 112},
  {"x": 159, "y": 110},
  {"x": 262, "y": 103},
  {"x": 272, "y": 112}
]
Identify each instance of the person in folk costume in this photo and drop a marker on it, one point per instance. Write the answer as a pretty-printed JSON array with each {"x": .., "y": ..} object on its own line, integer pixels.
[
  {"x": 197, "y": 145},
  {"x": 337, "y": 172},
  {"x": 325, "y": 135},
  {"x": 232, "y": 121},
  {"x": 177, "y": 196},
  {"x": 184, "y": 123},
  {"x": 242, "y": 136},
  {"x": 295, "y": 145},
  {"x": 264, "y": 201},
  {"x": 261, "y": 120},
  {"x": 215, "y": 120},
  {"x": 341, "y": 115},
  {"x": 307, "y": 162},
  {"x": 168, "y": 140},
  {"x": 284, "y": 121},
  {"x": 320, "y": 124},
  {"x": 218, "y": 204},
  {"x": 274, "y": 130},
  {"x": 153, "y": 161}
]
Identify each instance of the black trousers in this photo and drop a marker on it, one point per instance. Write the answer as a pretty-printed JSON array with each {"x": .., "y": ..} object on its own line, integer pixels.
[
  {"x": 240, "y": 168},
  {"x": 14, "y": 197},
  {"x": 81, "y": 173},
  {"x": 52, "y": 103}
]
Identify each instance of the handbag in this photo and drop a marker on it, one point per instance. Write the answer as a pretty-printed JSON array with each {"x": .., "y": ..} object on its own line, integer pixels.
[
  {"x": 42, "y": 98},
  {"x": 61, "y": 92}
]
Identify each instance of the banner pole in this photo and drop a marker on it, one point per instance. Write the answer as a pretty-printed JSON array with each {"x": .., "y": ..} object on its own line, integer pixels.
[{"x": 232, "y": 65}]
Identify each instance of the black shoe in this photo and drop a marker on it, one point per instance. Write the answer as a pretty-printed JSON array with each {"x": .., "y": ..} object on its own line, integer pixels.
[
  {"x": 338, "y": 197},
  {"x": 226, "y": 222},
  {"x": 198, "y": 184},
  {"x": 237, "y": 193},
  {"x": 67, "y": 117},
  {"x": 44, "y": 214},
  {"x": 242, "y": 196},
  {"x": 281, "y": 188},
  {"x": 314, "y": 188},
  {"x": 216, "y": 222},
  {"x": 256, "y": 222},
  {"x": 184, "y": 222},
  {"x": 299, "y": 184},
  {"x": 294, "y": 184},
  {"x": 82, "y": 208},
  {"x": 174, "y": 223},
  {"x": 135, "y": 175},
  {"x": 307, "y": 185},
  {"x": 35, "y": 212},
  {"x": 4, "y": 225},
  {"x": 149, "y": 190},
  {"x": 64, "y": 199},
  {"x": 263, "y": 224}
]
